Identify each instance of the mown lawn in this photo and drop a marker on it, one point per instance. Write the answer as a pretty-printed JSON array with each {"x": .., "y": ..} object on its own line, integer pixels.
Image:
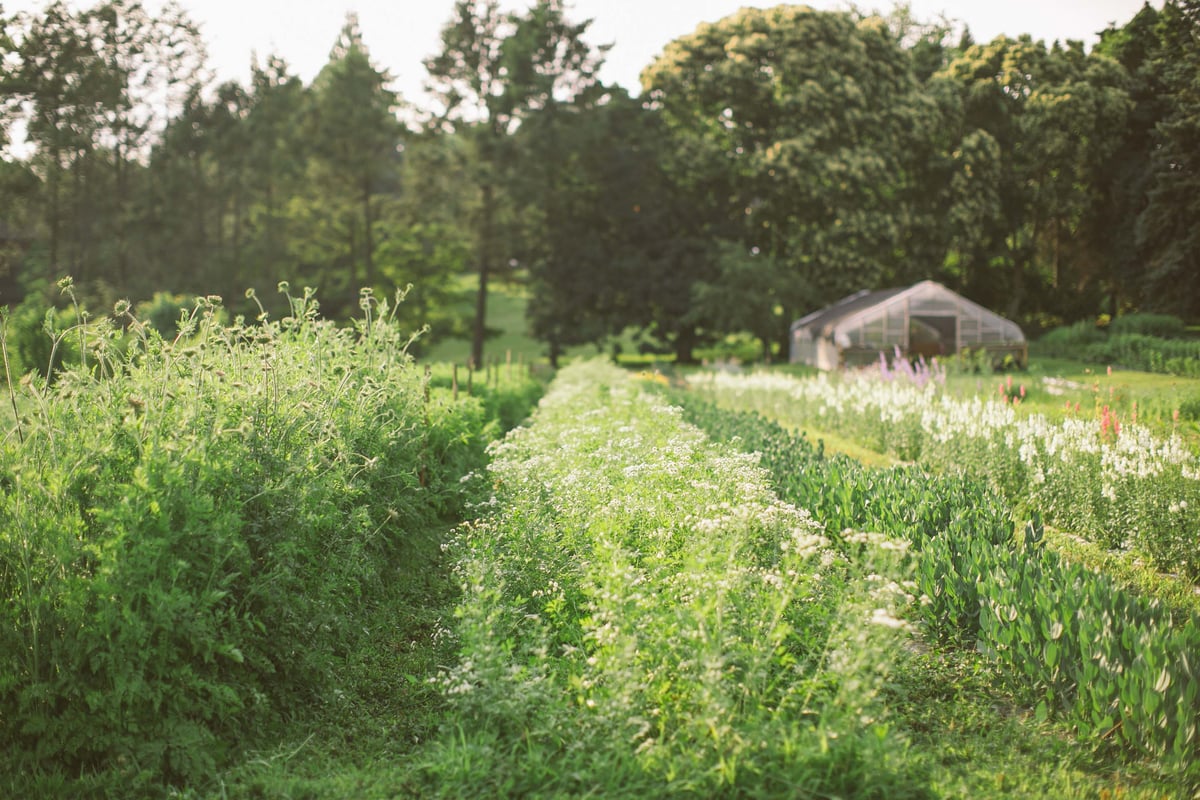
[{"x": 508, "y": 329}]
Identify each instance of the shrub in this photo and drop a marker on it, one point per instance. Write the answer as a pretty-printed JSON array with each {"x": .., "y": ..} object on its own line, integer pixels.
[
  {"x": 1149, "y": 342},
  {"x": 1066, "y": 340},
  {"x": 1163, "y": 326},
  {"x": 1149, "y": 353},
  {"x": 1110, "y": 481}
]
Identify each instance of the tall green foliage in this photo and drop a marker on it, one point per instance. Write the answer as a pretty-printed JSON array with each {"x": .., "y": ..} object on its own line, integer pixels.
[
  {"x": 799, "y": 128},
  {"x": 192, "y": 533},
  {"x": 355, "y": 137}
]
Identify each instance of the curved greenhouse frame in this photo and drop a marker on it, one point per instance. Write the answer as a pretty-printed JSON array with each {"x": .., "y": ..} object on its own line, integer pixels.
[{"x": 924, "y": 320}]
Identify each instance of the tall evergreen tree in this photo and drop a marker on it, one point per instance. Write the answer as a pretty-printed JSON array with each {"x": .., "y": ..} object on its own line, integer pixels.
[
  {"x": 494, "y": 69},
  {"x": 613, "y": 242},
  {"x": 355, "y": 136}
]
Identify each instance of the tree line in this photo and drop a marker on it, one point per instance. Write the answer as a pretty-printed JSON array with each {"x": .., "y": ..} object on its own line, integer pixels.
[{"x": 774, "y": 160}]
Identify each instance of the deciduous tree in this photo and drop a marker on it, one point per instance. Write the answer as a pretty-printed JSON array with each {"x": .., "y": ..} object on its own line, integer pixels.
[
  {"x": 799, "y": 129},
  {"x": 1169, "y": 226},
  {"x": 1035, "y": 124}
]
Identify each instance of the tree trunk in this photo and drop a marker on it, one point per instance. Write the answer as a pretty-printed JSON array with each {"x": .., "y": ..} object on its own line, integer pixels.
[
  {"x": 1018, "y": 288},
  {"x": 120, "y": 219},
  {"x": 369, "y": 242},
  {"x": 685, "y": 342},
  {"x": 352, "y": 286},
  {"x": 1017, "y": 251},
  {"x": 53, "y": 178},
  {"x": 485, "y": 255}
]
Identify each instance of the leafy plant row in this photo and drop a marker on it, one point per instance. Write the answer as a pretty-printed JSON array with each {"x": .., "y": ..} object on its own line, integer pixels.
[
  {"x": 192, "y": 531},
  {"x": 1116, "y": 666},
  {"x": 641, "y": 614},
  {"x": 1149, "y": 353},
  {"x": 1113, "y": 483},
  {"x": 1150, "y": 342}
]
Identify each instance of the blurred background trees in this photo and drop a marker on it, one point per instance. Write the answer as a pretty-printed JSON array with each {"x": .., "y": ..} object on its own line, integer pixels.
[{"x": 774, "y": 161}]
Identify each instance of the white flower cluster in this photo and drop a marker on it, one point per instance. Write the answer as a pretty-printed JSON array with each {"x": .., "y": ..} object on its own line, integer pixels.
[
  {"x": 1063, "y": 464},
  {"x": 1134, "y": 451}
]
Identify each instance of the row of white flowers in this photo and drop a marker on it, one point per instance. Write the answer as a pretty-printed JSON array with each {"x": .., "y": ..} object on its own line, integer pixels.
[
  {"x": 1123, "y": 486},
  {"x": 639, "y": 590}
]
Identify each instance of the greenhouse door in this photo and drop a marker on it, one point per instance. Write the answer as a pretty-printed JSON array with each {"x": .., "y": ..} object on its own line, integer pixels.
[{"x": 933, "y": 335}]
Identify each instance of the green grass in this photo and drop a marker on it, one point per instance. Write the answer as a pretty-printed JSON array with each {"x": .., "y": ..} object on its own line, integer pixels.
[
  {"x": 363, "y": 743},
  {"x": 509, "y": 335},
  {"x": 978, "y": 741},
  {"x": 1177, "y": 594},
  {"x": 508, "y": 329},
  {"x": 836, "y": 443}
]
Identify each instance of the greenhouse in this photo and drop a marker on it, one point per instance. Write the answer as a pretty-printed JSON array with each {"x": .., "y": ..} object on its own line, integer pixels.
[{"x": 923, "y": 320}]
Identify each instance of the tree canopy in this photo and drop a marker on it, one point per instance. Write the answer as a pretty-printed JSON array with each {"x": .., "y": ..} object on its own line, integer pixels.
[{"x": 774, "y": 160}]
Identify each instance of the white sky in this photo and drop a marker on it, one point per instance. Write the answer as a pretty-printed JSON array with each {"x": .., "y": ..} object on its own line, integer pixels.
[{"x": 401, "y": 33}]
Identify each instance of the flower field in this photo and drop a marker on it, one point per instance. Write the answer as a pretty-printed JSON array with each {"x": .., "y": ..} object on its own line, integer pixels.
[
  {"x": 1113, "y": 483},
  {"x": 1080, "y": 647},
  {"x": 230, "y": 578},
  {"x": 640, "y": 610}
]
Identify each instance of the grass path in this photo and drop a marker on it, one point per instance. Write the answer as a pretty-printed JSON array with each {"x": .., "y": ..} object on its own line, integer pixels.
[{"x": 363, "y": 745}]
